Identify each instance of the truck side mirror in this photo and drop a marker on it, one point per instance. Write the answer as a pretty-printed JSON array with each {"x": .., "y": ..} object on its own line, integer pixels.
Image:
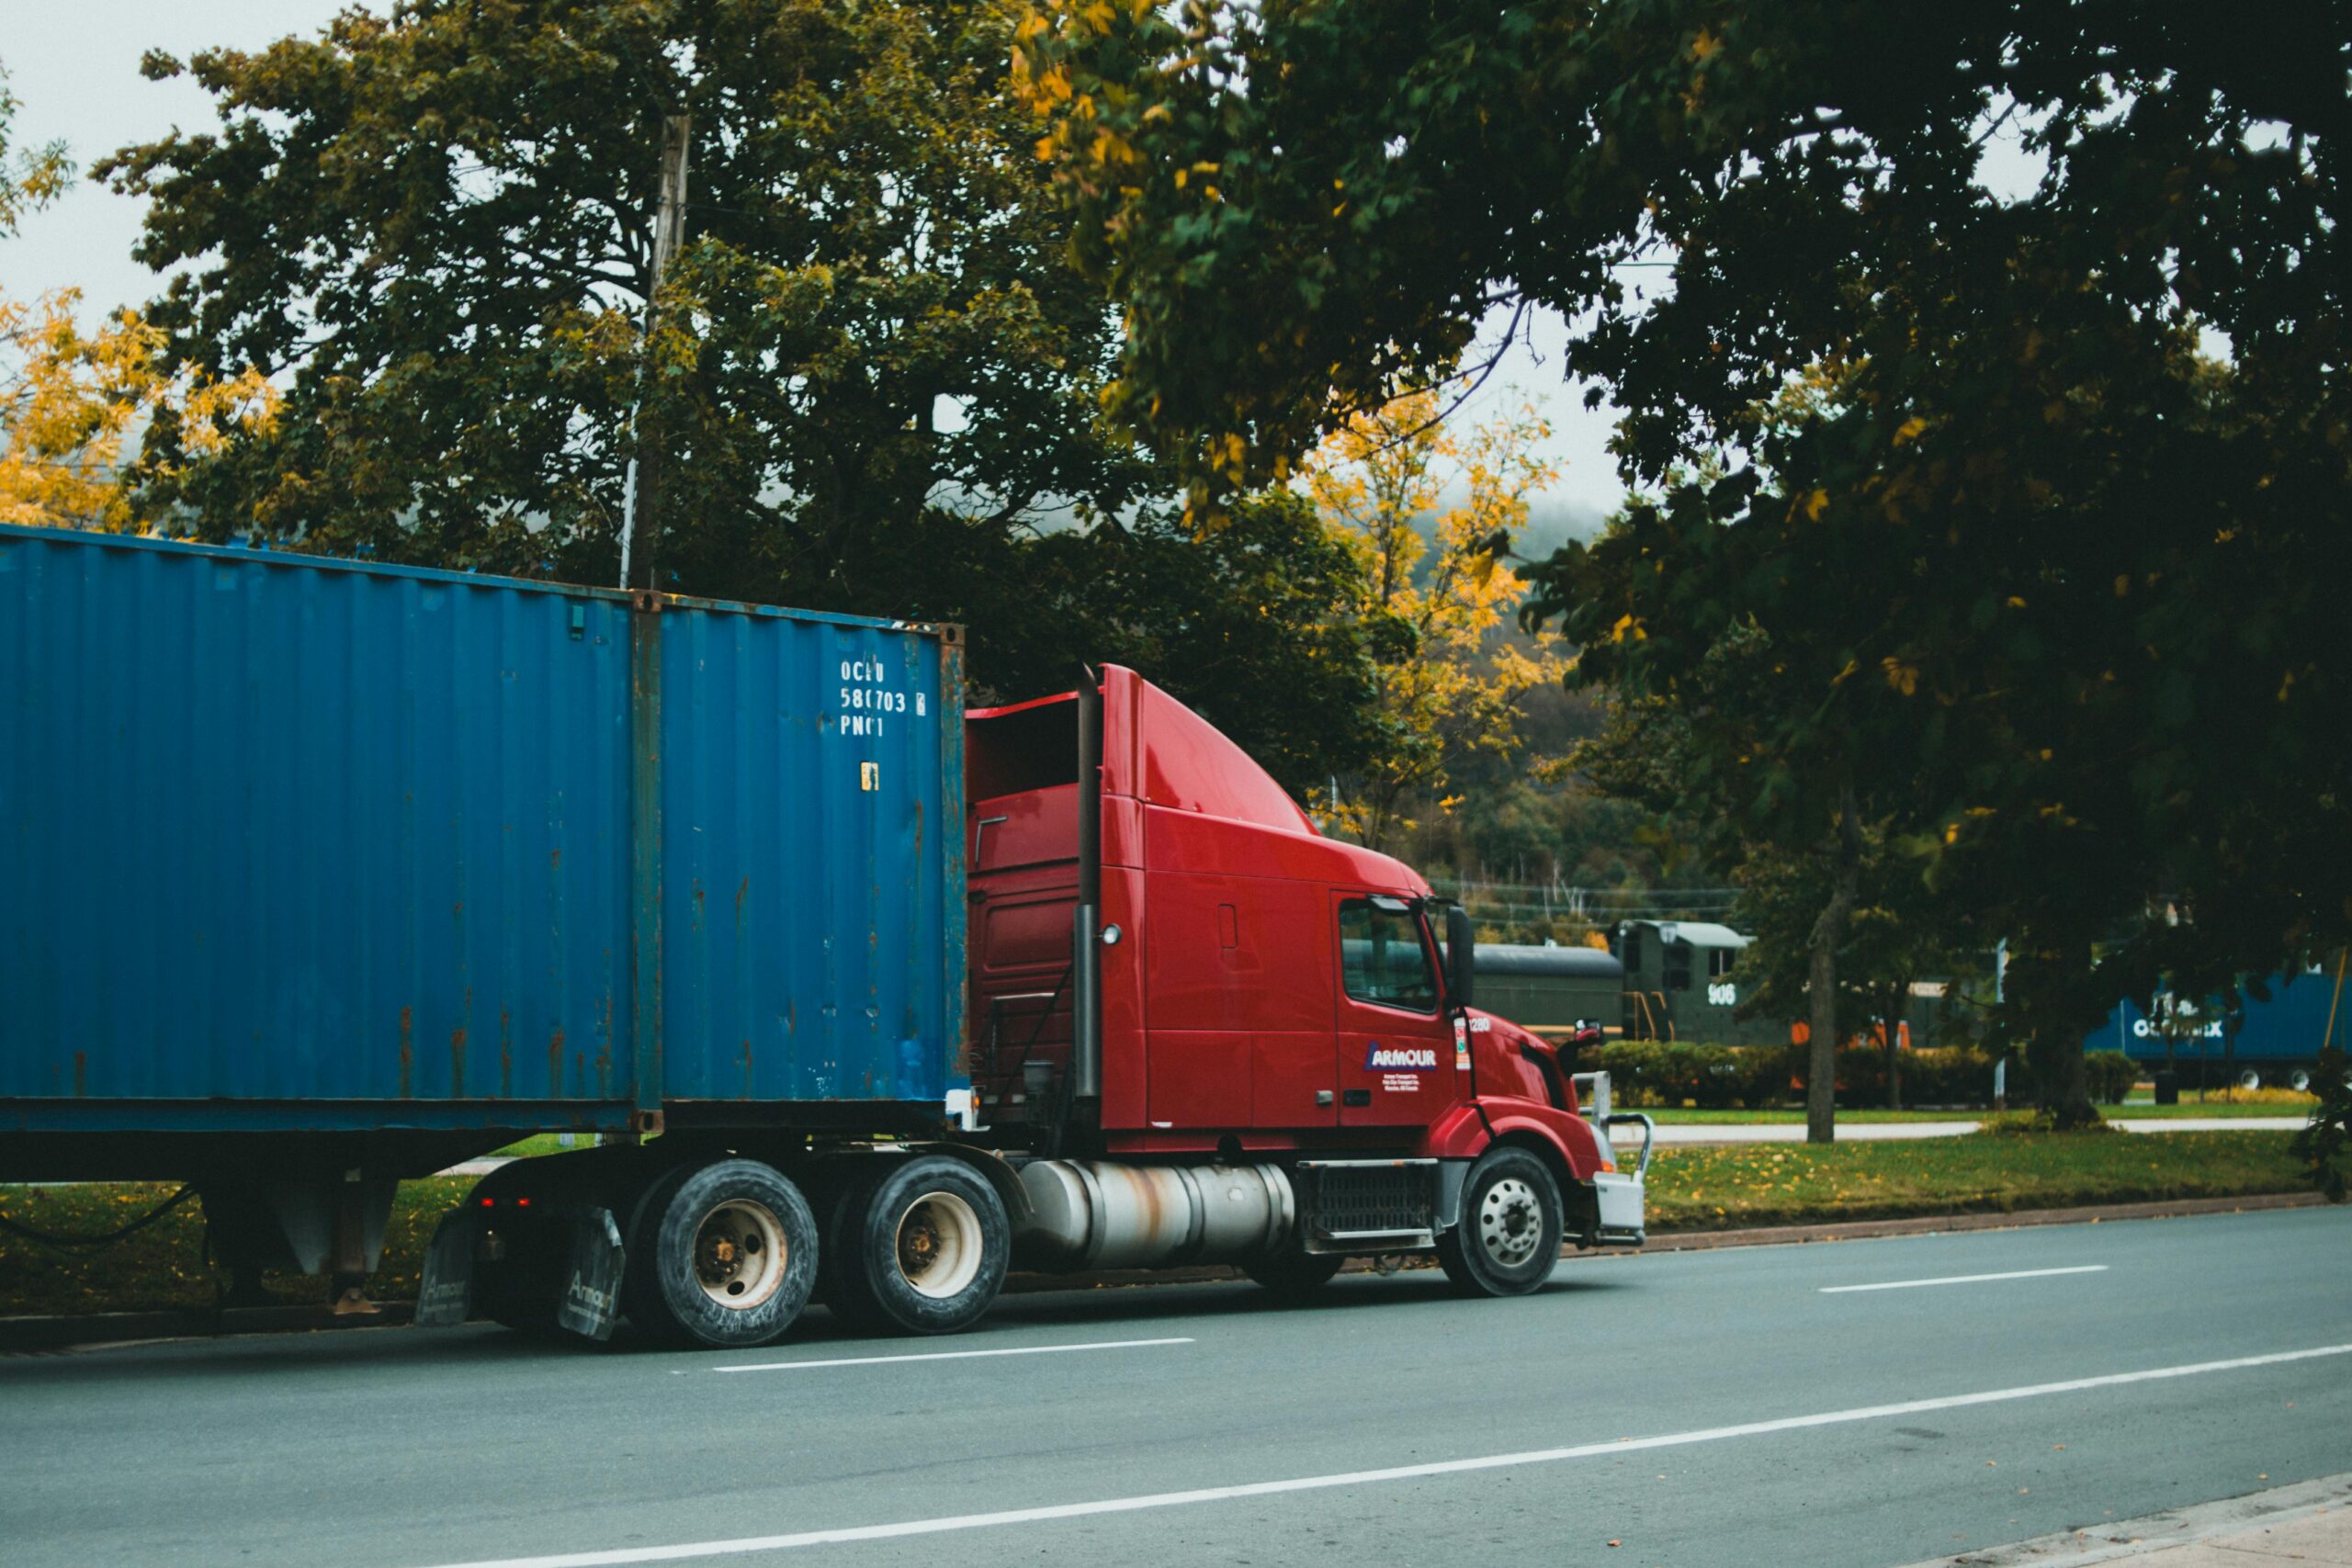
[{"x": 1461, "y": 954}]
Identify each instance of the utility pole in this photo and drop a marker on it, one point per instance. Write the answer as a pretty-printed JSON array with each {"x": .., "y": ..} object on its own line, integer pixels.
[{"x": 644, "y": 466}]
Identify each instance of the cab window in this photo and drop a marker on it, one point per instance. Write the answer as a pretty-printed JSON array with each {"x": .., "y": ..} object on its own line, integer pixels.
[{"x": 1382, "y": 957}]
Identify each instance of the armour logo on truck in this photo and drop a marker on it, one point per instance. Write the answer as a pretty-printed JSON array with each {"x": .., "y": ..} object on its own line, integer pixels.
[{"x": 1399, "y": 1059}]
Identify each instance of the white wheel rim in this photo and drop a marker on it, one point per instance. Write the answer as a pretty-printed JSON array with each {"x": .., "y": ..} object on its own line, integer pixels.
[
  {"x": 938, "y": 1244},
  {"x": 2249, "y": 1079},
  {"x": 1511, "y": 1222},
  {"x": 741, "y": 1254},
  {"x": 2301, "y": 1081}
]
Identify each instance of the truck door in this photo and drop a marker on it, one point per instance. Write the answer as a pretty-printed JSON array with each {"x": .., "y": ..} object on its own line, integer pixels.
[{"x": 1395, "y": 1049}]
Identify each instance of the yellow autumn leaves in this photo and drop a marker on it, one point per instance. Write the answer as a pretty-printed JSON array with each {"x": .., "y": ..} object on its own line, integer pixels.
[
  {"x": 1417, "y": 504},
  {"x": 73, "y": 404}
]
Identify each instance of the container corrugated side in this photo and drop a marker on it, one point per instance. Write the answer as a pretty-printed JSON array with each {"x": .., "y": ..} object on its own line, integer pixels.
[{"x": 278, "y": 832}]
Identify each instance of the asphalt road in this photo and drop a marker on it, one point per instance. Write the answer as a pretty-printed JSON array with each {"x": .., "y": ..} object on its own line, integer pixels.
[{"x": 1699, "y": 1408}]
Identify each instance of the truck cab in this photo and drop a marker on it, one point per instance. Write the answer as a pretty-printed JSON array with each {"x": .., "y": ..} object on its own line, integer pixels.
[{"x": 1170, "y": 964}]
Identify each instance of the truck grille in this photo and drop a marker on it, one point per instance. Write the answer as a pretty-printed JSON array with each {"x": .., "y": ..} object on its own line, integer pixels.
[{"x": 1362, "y": 1201}]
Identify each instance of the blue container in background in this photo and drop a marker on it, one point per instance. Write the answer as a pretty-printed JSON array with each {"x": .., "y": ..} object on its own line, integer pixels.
[{"x": 295, "y": 843}]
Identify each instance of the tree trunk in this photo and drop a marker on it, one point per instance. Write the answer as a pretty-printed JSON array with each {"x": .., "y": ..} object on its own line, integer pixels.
[
  {"x": 2039, "y": 982},
  {"x": 1828, "y": 930},
  {"x": 1892, "y": 1016}
]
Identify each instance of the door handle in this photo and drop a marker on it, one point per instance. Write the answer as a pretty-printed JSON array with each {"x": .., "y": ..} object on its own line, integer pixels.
[{"x": 1322, "y": 1097}]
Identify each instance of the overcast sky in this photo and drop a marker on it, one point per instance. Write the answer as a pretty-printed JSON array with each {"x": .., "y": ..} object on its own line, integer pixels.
[{"x": 75, "y": 70}]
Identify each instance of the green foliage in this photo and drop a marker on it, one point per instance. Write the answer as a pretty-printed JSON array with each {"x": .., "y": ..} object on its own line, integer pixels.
[
  {"x": 1899, "y": 932},
  {"x": 1947, "y": 521},
  {"x": 1660, "y": 1072},
  {"x": 1251, "y": 625},
  {"x": 2112, "y": 1075},
  {"x": 433, "y": 227},
  {"x": 2325, "y": 1146},
  {"x": 31, "y": 177}
]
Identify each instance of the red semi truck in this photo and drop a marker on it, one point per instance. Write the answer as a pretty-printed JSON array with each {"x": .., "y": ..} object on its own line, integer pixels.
[{"x": 1197, "y": 1032}]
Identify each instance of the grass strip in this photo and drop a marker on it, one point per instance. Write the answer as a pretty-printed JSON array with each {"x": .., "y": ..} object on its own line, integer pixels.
[
  {"x": 1729, "y": 1187},
  {"x": 2136, "y": 1110},
  {"x": 1698, "y": 1187}
]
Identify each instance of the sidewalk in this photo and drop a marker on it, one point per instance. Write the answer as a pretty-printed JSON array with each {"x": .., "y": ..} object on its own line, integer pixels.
[{"x": 2308, "y": 1522}]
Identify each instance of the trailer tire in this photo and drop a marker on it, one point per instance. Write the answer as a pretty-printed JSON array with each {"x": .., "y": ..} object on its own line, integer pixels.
[
  {"x": 720, "y": 1256},
  {"x": 2300, "y": 1080},
  {"x": 1508, "y": 1239},
  {"x": 921, "y": 1246},
  {"x": 1293, "y": 1272}
]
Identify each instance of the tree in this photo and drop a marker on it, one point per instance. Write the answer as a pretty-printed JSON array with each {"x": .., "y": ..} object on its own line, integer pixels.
[
  {"x": 431, "y": 229},
  {"x": 31, "y": 177},
  {"x": 1898, "y": 934},
  {"x": 1449, "y": 680},
  {"x": 1255, "y": 625},
  {"x": 71, "y": 400},
  {"x": 2073, "y": 623}
]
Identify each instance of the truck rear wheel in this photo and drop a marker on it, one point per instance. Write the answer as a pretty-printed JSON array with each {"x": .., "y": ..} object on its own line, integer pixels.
[
  {"x": 721, "y": 1255},
  {"x": 920, "y": 1246},
  {"x": 1509, "y": 1236}
]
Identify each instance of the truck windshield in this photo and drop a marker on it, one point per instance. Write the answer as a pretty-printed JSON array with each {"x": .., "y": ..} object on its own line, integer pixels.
[{"x": 1382, "y": 956}]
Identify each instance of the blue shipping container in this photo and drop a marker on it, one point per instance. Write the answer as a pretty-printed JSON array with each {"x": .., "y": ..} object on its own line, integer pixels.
[
  {"x": 2290, "y": 1027},
  {"x": 296, "y": 843}
]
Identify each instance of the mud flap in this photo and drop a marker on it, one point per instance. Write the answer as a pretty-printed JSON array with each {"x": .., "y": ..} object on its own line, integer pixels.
[
  {"x": 446, "y": 1296},
  {"x": 591, "y": 1290}
]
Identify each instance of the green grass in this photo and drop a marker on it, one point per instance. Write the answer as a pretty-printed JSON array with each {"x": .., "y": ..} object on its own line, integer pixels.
[
  {"x": 1788, "y": 1115},
  {"x": 1775, "y": 1116},
  {"x": 1726, "y": 1187}
]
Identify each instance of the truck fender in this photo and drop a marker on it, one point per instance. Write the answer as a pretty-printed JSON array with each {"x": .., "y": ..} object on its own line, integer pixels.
[
  {"x": 1562, "y": 1140},
  {"x": 995, "y": 1169}
]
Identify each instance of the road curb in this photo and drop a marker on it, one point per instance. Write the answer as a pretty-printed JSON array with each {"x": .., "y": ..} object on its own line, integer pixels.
[
  {"x": 1932, "y": 1224},
  {"x": 2217, "y": 1524},
  {"x": 20, "y": 1335}
]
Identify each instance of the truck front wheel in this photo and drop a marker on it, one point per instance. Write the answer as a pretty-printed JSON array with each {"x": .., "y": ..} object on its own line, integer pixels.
[
  {"x": 721, "y": 1255},
  {"x": 1509, "y": 1236},
  {"x": 919, "y": 1246}
]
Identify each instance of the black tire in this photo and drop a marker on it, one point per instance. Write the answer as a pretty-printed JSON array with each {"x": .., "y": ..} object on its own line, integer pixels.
[
  {"x": 1293, "y": 1272},
  {"x": 720, "y": 1256},
  {"x": 1508, "y": 1239},
  {"x": 919, "y": 1246}
]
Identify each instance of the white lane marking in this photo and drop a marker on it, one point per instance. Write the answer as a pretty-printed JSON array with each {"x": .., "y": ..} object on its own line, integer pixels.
[
  {"x": 746, "y": 1544},
  {"x": 949, "y": 1354},
  {"x": 1966, "y": 1279}
]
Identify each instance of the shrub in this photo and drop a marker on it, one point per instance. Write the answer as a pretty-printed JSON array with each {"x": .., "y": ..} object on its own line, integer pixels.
[
  {"x": 2011, "y": 1123},
  {"x": 1668, "y": 1072},
  {"x": 2112, "y": 1075}
]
